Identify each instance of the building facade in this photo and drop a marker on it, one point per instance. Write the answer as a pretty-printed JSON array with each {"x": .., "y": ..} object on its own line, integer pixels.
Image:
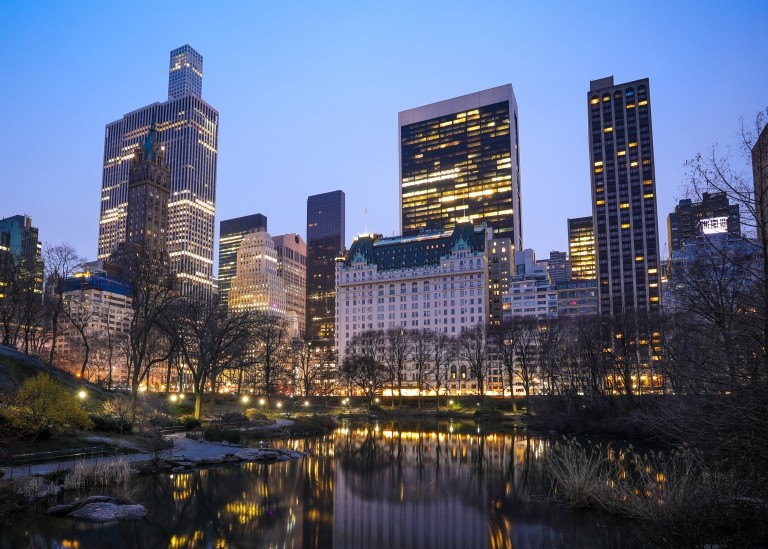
[
  {"x": 231, "y": 234},
  {"x": 187, "y": 128},
  {"x": 760, "y": 179},
  {"x": 101, "y": 306},
  {"x": 712, "y": 215},
  {"x": 577, "y": 298},
  {"x": 436, "y": 281},
  {"x": 325, "y": 242},
  {"x": 624, "y": 196},
  {"x": 20, "y": 245},
  {"x": 292, "y": 268},
  {"x": 558, "y": 266},
  {"x": 500, "y": 271},
  {"x": 257, "y": 285},
  {"x": 460, "y": 161},
  {"x": 581, "y": 248}
]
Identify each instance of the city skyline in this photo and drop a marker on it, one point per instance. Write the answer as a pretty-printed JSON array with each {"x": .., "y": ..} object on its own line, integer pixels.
[{"x": 350, "y": 70}]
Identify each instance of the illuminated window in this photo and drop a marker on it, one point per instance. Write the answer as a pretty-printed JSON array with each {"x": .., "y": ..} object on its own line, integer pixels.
[
  {"x": 609, "y": 129},
  {"x": 633, "y": 164},
  {"x": 639, "y": 258},
  {"x": 655, "y": 298},
  {"x": 600, "y": 202},
  {"x": 648, "y": 182},
  {"x": 631, "y": 106},
  {"x": 599, "y": 163},
  {"x": 643, "y": 103},
  {"x": 633, "y": 144},
  {"x": 648, "y": 195},
  {"x": 652, "y": 271},
  {"x": 621, "y": 153},
  {"x": 624, "y": 205},
  {"x": 625, "y": 225},
  {"x": 595, "y": 100}
]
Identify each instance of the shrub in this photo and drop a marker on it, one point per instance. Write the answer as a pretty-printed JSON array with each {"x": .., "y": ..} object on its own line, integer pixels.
[
  {"x": 254, "y": 415},
  {"x": 179, "y": 409},
  {"x": 44, "y": 405},
  {"x": 189, "y": 421},
  {"x": 219, "y": 434},
  {"x": 111, "y": 424},
  {"x": 236, "y": 418}
]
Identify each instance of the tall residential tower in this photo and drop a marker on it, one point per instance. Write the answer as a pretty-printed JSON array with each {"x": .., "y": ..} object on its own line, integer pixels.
[
  {"x": 460, "y": 161},
  {"x": 187, "y": 128},
  {"x": 231, "y": 234},
  {"x": 624, "y": 196}
]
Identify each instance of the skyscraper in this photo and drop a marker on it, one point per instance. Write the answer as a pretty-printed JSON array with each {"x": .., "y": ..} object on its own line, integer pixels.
[
  {"x": 257, "y": 286},
  {"x": 21, "y": 247},
  {"x": 581, "y": 248},
  {"x": 624, "y": 196},
  {"x": 231, "y": 234},
  {"x": 460, "y": 160},
  {"x": 325, "y": 242},
  {"x": 292, "y": 268},
  {"x": 187, "y": 128}
]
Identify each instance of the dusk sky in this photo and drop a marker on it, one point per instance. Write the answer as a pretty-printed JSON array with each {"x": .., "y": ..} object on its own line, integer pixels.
[{"x": 308, "y": 95}]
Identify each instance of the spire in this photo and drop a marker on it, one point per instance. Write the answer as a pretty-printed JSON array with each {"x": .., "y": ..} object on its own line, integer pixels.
[{"x": 150, "y": 151}]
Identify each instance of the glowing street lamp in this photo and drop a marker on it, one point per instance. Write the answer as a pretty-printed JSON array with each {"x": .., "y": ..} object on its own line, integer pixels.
[
  {"x": 82, "y": 394},
  {"x": 245, "y": 399},
  {"x": 262, "y": 402},
  {"x": 174, "y": 398}
]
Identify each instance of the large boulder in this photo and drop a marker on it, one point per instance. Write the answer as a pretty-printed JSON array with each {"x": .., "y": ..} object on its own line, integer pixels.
[
  {"x": 268, "y": 455},
  {"x": 106, "y": 512}
]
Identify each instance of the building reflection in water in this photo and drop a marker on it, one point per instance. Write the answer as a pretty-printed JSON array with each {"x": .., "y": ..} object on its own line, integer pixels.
[{"x": 443, "y": 485}]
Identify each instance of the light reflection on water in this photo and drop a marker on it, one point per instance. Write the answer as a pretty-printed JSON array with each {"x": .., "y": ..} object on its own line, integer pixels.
[{"x": 381, "y": 485}]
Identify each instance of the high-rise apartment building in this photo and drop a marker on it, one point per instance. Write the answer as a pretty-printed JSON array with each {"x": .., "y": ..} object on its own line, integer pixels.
[
  {"x": 624, "y": 196},
  {"x": 231, "y": 234},
  {"x": 460, "y": 161},
  {"x": 292, "y": 268},
  {"x": 187, "y": 128},
  {"x": 712, "y": 215},
  {"x": 325, "y": 242},
  {"x": 581, "y": 248}
]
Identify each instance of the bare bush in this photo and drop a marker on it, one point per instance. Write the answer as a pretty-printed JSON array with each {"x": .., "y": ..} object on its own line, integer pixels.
[{"x": 105, "y": 473}]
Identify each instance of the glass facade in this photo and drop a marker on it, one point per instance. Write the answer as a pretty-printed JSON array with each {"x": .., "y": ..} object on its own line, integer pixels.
[
  {"x": 459, "y": 161},
  {"x": 187, "y": 128},
  {"x": 325, "y": 242},
  {"x": 581, "y": 248},
  {"x": 624, "y": 196},
  {"x": 231, "y": 234}
]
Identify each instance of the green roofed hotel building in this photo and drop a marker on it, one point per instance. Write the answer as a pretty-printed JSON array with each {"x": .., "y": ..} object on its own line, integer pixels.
[{"x": 460, "y": 161}]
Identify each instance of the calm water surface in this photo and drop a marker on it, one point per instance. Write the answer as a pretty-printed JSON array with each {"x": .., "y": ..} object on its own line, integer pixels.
[{"x": 379, "y": 485}]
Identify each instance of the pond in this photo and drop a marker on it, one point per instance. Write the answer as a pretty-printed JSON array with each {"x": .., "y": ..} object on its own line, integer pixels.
[{"x": 442, "y": 485}]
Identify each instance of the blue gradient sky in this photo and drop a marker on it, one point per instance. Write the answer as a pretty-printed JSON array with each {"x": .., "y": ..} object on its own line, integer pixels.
[{"x": 309, "y": 95}]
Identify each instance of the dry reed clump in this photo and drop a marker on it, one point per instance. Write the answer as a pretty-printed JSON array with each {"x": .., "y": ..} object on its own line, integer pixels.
[
  {"x": 116, "y": 472},
  {"x": 28, "y": 487},
  {"x": 672, "y": 489}
]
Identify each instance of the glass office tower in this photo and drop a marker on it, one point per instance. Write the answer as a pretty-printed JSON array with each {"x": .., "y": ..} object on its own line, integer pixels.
[
  {"x": 325, "y": 242},
  {"x": 460, "y": 160},
  {"x": 187, "y": 129},
  {"x": 581, "y": 248}
]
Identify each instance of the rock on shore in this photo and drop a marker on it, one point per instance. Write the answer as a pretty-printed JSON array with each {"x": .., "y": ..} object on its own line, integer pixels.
[
  {"x": 99, "y": 509},
  {"x": 267, "y": 455}
]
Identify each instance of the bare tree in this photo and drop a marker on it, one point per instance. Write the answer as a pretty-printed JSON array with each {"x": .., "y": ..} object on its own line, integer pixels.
[
  {"x": 61, "y": 262},
  {"x": 525, "y": 338},
  {"x": 503, "y": 337},
  {"x": 154, "y": 294},
  {"x": 269, "y": 347},
  {"x": 79, "y": 315},
  {"x": 210, "y": 341},
  {"x": 421, "y": 358},
  {"x": 363, "y": 363},
  {"x": 398, "y": 350},
  {"x": 473, "y": 351},
  {"x": 442, "y": 347}
]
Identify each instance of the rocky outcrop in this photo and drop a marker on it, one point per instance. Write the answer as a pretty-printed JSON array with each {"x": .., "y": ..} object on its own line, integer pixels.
[
  {"x": 267, "y": 455},
  {"x": 99, "y": 509}
]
